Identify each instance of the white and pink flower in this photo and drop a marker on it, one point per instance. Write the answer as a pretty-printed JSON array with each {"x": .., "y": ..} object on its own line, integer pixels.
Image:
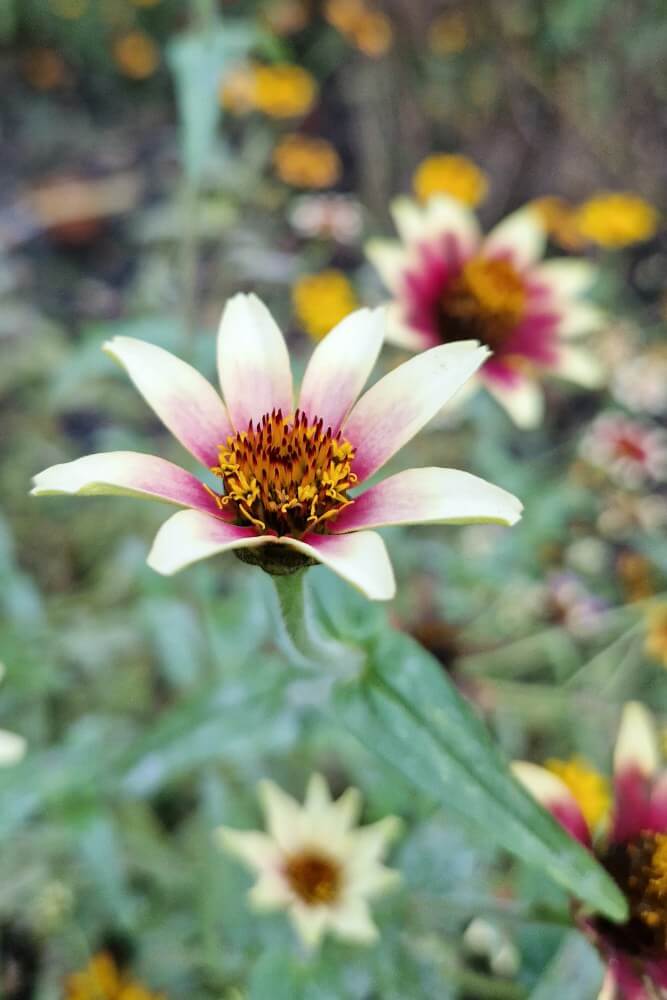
[
  {"x": 449, "y": 283},
  {"x": 632, "y": 846},
  {"x": 284, "y": 495},
  {"x": 632, "y": 453}
]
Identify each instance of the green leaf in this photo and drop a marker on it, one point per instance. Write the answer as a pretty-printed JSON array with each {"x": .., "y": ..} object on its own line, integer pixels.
[
  {"x": 404, "y": 709},
  {"x": 574, "y": 974},
  {"x": 276, "y": 977}
]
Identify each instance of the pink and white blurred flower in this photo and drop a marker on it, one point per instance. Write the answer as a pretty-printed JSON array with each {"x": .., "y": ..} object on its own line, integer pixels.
[
  {"x": 631, "y": 844},
  {"x": 640, "y": 382},
  {"x": 283, "y": 497},
  {"x": 327, "y": 216},
  {"x": 12, "y": 746},
  {"x": 449, "y": 283},
  {"x": 632, "y": 453},
  {"x": 316, "y": 863}
]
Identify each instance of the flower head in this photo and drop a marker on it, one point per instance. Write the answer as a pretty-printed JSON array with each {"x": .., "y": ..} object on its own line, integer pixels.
[
  {"x": 630, "y": 452},
  {"x": 136, "y": 55},
  {"x": 450, "y": 284},
  {"x": 315, "y": 862},
  {"x": 306, "y": 162},
  {"x": 616, "y": 219},
  {"x": 282, "y": 90},
  {"x": 102, "y": 979},
  {"x": 12, "y": 746},
  {"x": 328, "y": 216},
  {"x": 323, "y": 300},
  {"x": 656, "y": 633},
  {"x": 283, "y": 490},
  {"x": 367, "y": 29},
  {"x": 629, "y": 841},
  {"x": 640, "y": 382},
  {"x": 450, "y": 174}
]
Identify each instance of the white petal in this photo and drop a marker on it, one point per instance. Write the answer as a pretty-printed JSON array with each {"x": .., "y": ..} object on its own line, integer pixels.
[
  {"x": 190, "y": 535},
  {"x": 580, "y": 318},
  {"x": 401, "y": 334},
  {"x": 577, "y": 364},
  {"x": 566, "y": 278},
  {"x": 125, "y": 473},
  {"x": 360, "y": 558},
  {"x": 409, "y": 219},
  {"x": 253, "y": 363},
  {"x": 430, "y": 496},
  {"x": 389, "y": 258},
  {"x": 340, "y": 366},
  {"x": 347, "y": 810},
  {"x": 283, "y": 815},
  {"x": 352, "y": 921},
  {"x": 637, "y": 741},
  {"x": 544, "y": 786},
  {"x": 12, "y": 748},
  {"x": 447, "y": 216},
  {"x": 523, "y": 400},
  {"x": 318, "y": 797},
  {"x": 181, "y": 397},
  {"x": 372, "y": 880},
  {"x": 521, "y": 236},
  {"x": 256, "y": 850},
  {"x": 271, "y": 892},
  {"x": 310, "y": 922},
  {"x": 398, "y": 406},
  {"x": 369, "y": 844}
]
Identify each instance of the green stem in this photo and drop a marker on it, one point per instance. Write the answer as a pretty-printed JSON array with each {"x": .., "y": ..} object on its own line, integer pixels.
[{"x": 306, "y": 638}]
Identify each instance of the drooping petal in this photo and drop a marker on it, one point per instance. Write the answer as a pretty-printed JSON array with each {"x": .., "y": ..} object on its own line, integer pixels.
[
  {"x": 555, "y": 796},
  {"x": 565, "y": 278},
  {"x": 283, "y": 816},
  {"x": 392, "y": 411},
  {"x": 430, "y": 496},
  {"x": 125, "y": 473},
  {"x": 389, "y": 258},
  {"x": 636, "y": 759},
  {"x": 522, "y": 399},
  {"x": 190, "y": 536},
  {"x": 352, "y": 921},
  {"x": 340, "y": 366},
  {"x": 182, "y": 398},
  {"x": 253, "y": 363},
  {"x": 256, "y": 850},
  {"x": 12, "y": 748},
  {"x": 577, "y": 364},
  {"x": 521, "y": 236},
  {"x": 360, "y": 558}
]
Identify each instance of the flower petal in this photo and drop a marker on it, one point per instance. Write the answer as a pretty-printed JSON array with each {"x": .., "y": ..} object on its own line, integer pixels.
[
  {"x": 190, "y": 536},
  {"x": 310, "y": 922},
  {"x": 255, "y": 849},
  {"x": 360, "y": 558},
  {"x": 430, "y": 496},
  {"x": 352, "y": 921},
  {"x": 398, "y": 406},
  {"x": 522, "y": 400},
  {"x": 566, "y": 278},
  {"x": 125, "y": 473},
  {"x": 555, "y": 796},
  {"x": 580, "y": 318},
  {"x": 637, "y": 741},
  {"x": 182, "y": 398},
  {"x": 577, "y": 364},
  {"x": 658, "y": 818},
  {"x": 253, "y": 363},
  {"x": 270, "y": 892},
  {"x": 12, "y": 748},
  {"x": 520, "y": 236},
  {"x": 340, "y": 366},
  {"x": 628, "y": 983},
  {"x": 408, "y": 218},
  {"x": 318, "y": 797},
  {"x": 389, "y": 259},
  {"x": 283, "y": 815},
  {"x": 441, "y": 215}
]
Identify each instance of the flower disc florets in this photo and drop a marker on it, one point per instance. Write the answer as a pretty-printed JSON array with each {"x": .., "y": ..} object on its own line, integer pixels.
[
  {"x": 314, "y": 877},
  {"x": 485, "y": 302},
  {"x": 639, "y": 866},
  {"x": 285, "y": 475}
]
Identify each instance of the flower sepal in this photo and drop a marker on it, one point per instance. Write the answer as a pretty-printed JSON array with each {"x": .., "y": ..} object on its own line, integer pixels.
[{"x": 276, "y": 560}]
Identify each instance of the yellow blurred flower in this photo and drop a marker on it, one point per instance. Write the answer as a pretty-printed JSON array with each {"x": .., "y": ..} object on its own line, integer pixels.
[
  {"x": 44, "y": 69},
  {"x": 559, "y": 218},
  {"x": 103, "y": 980},
  {"x": 635, "y": 574},
  {"x": 656, "y": 633},
  {"x": 589, "y": 788},
  {"x": 281, "y": 91},
  {"x": 306, "y": 162},
  {"x": 71, "y": 10},
  {"x": 445, "y": 173},
  {"x": 322, "y": 300},
  {"x": 448, "y": 34},
  {"x": 136, "y": 55},
  {"x": 343, "y": 14},
  {"x": 617, "y": 219},
  {"x": 367, "y": 29}
]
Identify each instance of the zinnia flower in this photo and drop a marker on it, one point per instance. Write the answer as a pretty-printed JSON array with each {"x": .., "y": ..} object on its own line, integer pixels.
[
  {"x": 323, "y": 300},
  {"x": 284, "y": 477},
  {"x": 449, "y": 284},
  {"x": 315, "y": 862},
  {"x": 450, "y": 174},
  {"x": 307, "y": 162},
  {"x": 12, "y": 746},
  {"x": 630, "y": 452},
  {"x": 616, "y": 219},
  {"x": 631, "y": 844}
]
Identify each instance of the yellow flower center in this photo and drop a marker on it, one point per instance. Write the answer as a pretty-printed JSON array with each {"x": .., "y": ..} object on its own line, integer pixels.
[
  {"x": 485, "y": 302},
  {"x": 454, "y": 175},
  {"x": 617, "y": 219},
  {"x": 314, "y": 877},
  {"x": 285, "y": 476},
  {"x": 323, "y": 300},
  {"x": 640, "y": 869},
  {"x": 588, "y": 787}
]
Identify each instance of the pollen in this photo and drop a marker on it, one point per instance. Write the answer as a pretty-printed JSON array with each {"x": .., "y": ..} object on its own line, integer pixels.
[
  {"x": 588, "y": 787},
  {"x": 648, "y": 882},
  {"x": 314, "y": 877},
  {"x": 285, "y": 476},
  {"x": 485, "y": 302}
]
